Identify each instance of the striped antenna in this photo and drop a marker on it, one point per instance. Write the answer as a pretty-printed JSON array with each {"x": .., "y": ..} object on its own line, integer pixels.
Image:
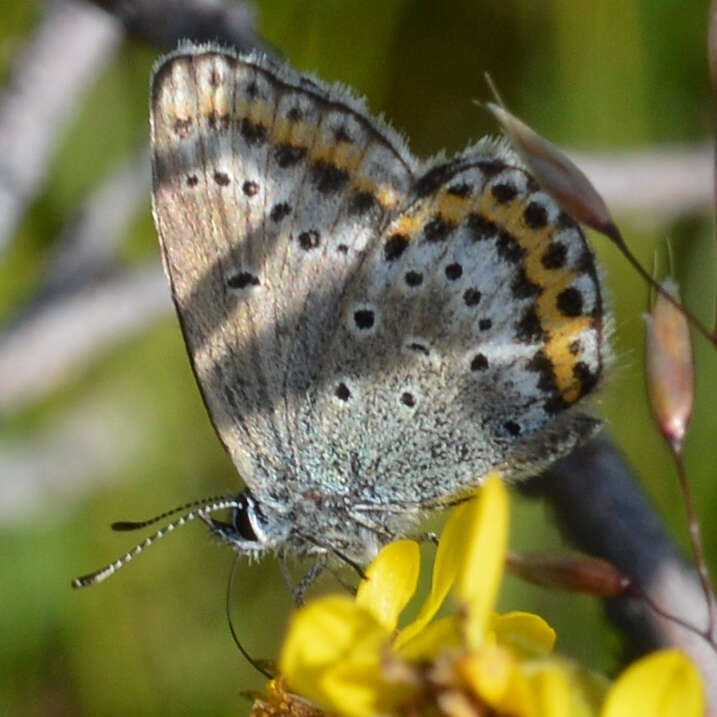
[
  {"x": 201, "y": 511},
  {"x": 123, "y": 525}
]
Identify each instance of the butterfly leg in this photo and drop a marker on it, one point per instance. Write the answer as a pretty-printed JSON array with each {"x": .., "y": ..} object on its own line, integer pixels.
[
  {"x": 313, "y": 572},
  {"x": 285, "y": 573},
  {"x": 345, "y": 584}
]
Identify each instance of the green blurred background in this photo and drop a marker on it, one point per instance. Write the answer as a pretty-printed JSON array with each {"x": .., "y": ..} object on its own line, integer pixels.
[{"x": 599, "y": 76}]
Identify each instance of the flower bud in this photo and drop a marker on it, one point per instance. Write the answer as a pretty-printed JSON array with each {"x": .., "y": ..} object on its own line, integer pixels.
[
  {"x": 557, "y": 174},
  {"x": 576, "y": 573},
  {"x": 670, "y": 367}
]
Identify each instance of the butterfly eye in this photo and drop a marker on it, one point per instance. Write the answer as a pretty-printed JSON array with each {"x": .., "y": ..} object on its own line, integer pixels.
[{"x": 245, "y": 520}]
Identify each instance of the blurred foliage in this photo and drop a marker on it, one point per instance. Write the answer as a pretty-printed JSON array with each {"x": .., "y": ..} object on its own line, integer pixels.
[{"x": 153, "y": 640}]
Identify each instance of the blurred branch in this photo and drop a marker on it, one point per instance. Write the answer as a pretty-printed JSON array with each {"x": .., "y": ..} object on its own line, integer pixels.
[
  {"x": 76, "y": 41},
  {"x": 44, "y": 473},
  {"x": 82, "y": 308},
  {"x": 603, "y": 511},
  {"x": 70, "y": 46},
  {"x": 164, "y": 23},
  {"x": 656, "y": 185},
  {"x": 39, "y": 353},
  {"x": 88, "y": 245}
]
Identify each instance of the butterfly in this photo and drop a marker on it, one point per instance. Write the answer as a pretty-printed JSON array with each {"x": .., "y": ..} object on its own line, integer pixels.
[{"x": 371, "y": 333}]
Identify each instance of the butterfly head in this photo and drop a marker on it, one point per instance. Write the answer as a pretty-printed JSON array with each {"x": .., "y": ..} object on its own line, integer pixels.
[{"x": 251, "y": 530}]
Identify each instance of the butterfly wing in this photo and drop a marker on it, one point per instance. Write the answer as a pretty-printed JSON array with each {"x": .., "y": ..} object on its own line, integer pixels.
[
  {"x": 269, "y": 189},
  {"x": 361, "y": 326},
  {"x": 470, "y": 337}
]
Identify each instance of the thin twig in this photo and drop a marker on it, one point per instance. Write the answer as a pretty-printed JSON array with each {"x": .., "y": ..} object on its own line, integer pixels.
[{"x": 693, "y": 528}]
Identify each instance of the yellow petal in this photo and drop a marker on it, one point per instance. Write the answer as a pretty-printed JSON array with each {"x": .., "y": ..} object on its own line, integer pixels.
[
  {"x": 390, "y": 582},
  {"x": 481, "y": 567},
  {"x": 327, "y": 632},
  {"x": 664, "y": 683},
  {"x": 440, "y": 635},
  {"x": 360, "y": 691},
  {"x": 552, "y": 693},
  {"x": 527, "y": 634},
  {"x": 351, "y": 690},
  {"x": 457, "y": 548},
  {"x": 586, "y": 689},
  {"x": 488, "y": 672},
  {"x": 445, "y": 569},
  {"x": 518, "y": 697}
]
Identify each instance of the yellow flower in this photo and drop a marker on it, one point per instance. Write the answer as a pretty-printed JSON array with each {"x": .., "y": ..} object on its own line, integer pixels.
[
  {"x": 346, "y": 655},
  {"x": 664, "y": 683}
]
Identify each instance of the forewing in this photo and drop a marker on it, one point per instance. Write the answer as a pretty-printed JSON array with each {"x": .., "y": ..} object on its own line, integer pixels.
[{"x": 269, "y": 188}]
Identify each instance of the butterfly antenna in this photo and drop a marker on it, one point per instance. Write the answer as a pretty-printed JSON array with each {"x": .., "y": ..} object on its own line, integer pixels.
[
  {"x": 126, "y": 525},
  {"x": 103, "y": 573},
  {"x": 256, "y": 664}
]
